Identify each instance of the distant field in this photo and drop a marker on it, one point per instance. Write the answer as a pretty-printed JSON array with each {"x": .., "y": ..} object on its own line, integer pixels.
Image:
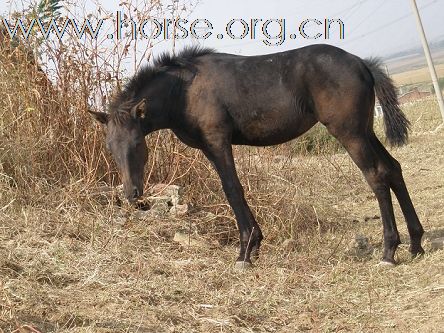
[
  {"x": 417, "y": 75},
  {"x": 412, "y": 69}
]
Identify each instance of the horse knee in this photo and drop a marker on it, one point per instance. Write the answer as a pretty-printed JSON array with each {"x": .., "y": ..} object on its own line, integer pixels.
[{"x": 377, "y": 179}]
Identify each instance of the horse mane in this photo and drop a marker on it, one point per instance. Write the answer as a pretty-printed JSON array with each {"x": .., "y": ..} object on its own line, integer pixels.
[{"x": 123, "y": 101}]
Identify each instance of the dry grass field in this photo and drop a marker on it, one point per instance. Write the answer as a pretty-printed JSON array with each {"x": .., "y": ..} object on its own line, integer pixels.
[{"x": 67, "y": 264}]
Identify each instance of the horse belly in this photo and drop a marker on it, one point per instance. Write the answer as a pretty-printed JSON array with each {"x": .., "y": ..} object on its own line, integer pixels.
[
  {"x": 271, "y": 127},
  {"x": 265, "y": 109}
]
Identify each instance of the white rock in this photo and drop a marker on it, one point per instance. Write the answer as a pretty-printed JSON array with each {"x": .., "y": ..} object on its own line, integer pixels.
[
  {"x": 172, "y": 191},
  {"x": 179, "y": 210}
]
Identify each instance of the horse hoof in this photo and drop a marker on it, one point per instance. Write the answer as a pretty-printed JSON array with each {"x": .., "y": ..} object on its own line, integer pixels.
[
  {"x": 242, "y": 265},
  {"x": 417, "y": 252},
  {"x": 385, "y": 263}
]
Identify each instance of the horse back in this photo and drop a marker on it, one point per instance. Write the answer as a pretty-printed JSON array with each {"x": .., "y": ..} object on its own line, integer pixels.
[{"x": 270, "y": 99}]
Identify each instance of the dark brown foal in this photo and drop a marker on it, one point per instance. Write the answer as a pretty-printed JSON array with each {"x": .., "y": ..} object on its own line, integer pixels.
[{"x": 214, "y": 100}]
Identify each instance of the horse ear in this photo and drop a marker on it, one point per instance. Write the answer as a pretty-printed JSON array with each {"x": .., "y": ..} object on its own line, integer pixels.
[
  {"x": 139, "y": 110},
  {"x": 101, "y": 117}
]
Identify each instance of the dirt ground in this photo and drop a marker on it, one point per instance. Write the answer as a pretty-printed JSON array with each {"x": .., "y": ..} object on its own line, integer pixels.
[{"x": 72, "y": 268}]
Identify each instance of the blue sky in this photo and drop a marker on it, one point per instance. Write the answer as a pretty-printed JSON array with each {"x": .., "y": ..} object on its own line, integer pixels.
[{"x": 372, "y": 27}]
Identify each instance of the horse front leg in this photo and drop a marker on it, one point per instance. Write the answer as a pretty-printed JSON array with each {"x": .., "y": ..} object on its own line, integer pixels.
[{"x": 221, "y": 157}]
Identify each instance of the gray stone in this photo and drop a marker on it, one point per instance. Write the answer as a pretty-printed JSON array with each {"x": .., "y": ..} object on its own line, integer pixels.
[
  {"x": 154, "y": 200},
  {"x": 160, "y": 207},
  {"x": 437, "y": 243},
  {"x": 119, "y": 217},
  {"x": 179, "y": 210},
  {"x": 142, "y": 214},
  {"x": 361, "y": 242},
  {"x": 172, "y": 191},
  {"x": 161, "y": 200},
  {"x": 361, "y": 247}
]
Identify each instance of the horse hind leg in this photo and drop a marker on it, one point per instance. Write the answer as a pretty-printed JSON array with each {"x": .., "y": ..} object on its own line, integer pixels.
[
  {"x": 375, "y": 170},
  {"x": 397, "y": 184}
]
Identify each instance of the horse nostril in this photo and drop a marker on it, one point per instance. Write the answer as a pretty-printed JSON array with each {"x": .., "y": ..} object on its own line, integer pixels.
[{"x": 136, "y": 193}]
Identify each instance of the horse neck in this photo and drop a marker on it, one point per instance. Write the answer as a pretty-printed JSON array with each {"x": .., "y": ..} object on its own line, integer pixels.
[
  {"x": 155, "y": 120},
  {"x": 170, "y": 105}
]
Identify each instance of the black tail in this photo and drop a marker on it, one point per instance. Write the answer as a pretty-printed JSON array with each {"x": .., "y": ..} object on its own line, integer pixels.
[{"x": 396, "y": 124}]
